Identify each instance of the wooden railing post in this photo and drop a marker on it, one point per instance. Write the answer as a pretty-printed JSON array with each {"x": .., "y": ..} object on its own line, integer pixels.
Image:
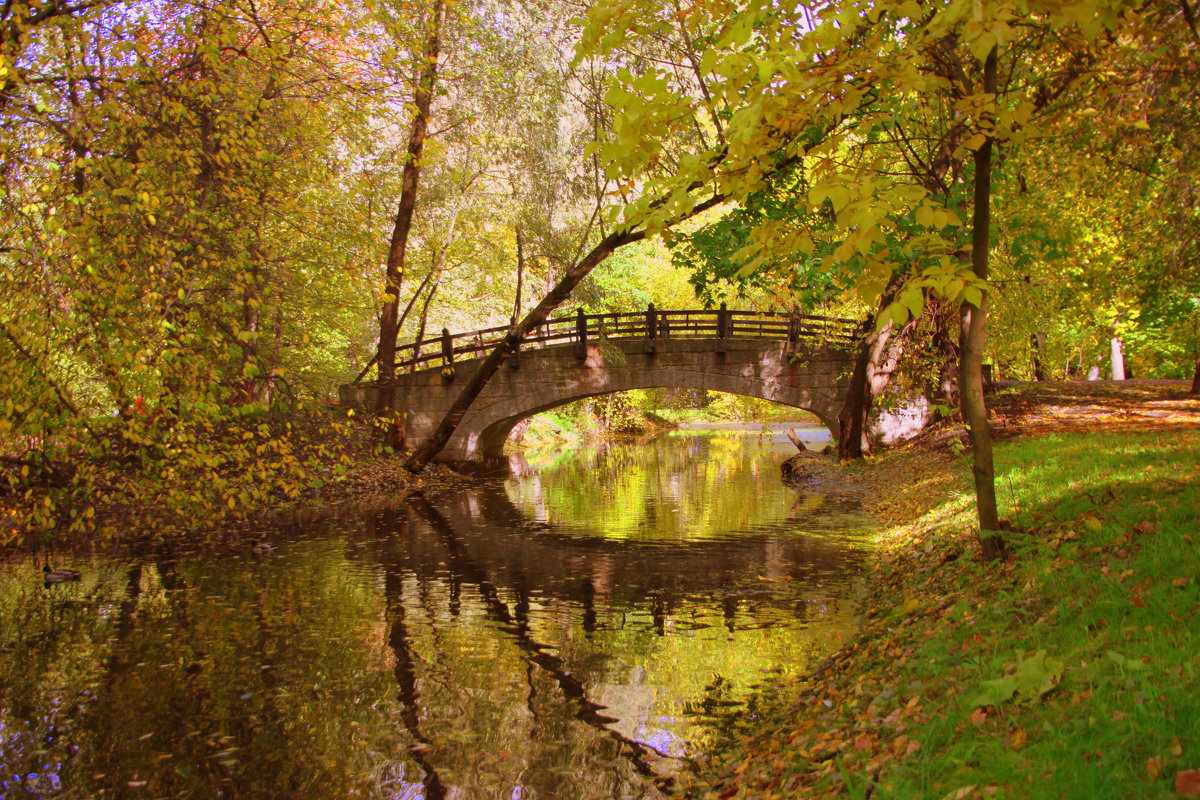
[
  {"x": 651, "y": 329},
  {"x": 447, "y": 354},
  {"x": 580, "y": 335},
  {"x": 722, "y": 328}
]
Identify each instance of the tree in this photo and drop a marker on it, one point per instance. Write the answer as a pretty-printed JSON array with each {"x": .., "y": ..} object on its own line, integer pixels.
[
  {"x": 969, "y": 77},
  {"x": 388, "y": 323}
]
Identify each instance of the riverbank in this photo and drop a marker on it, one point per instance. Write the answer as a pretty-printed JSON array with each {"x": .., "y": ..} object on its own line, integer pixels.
[
  {"x": 202, "y": 479},
  {"x": 1067, "y": 670}
]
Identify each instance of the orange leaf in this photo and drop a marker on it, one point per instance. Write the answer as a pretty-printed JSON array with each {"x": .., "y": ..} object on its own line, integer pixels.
[
  {"x": 978, "y": 716},
  {"x": 1019, "y": 737},
  {"x": 1138, "y": 601},
  {"x": 863, "y": 742},
  {"x": 1187, "y": 782},
  {"x": 1154, "y": 766}
]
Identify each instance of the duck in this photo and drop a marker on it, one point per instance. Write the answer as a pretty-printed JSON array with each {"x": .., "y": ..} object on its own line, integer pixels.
[
  {"x": 258, "y": 548},
  {"x": 59, "y": 575}
]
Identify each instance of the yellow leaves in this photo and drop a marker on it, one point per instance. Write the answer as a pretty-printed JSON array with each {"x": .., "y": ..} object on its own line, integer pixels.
[
  {"x": 836, "y": 193},
  {"x": 929, "y": 215}
]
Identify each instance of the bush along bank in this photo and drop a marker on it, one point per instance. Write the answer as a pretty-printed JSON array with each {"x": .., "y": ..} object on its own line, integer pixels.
[
  {"x": 1067, "y": 670},
  {"x": 156, "y": 479}
]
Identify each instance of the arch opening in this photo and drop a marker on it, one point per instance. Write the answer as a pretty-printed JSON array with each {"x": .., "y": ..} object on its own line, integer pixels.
[{"x": 640, "y": 411}]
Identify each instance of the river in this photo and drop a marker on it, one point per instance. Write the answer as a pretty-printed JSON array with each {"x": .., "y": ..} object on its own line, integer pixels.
[{"x": 580, "y": 629}]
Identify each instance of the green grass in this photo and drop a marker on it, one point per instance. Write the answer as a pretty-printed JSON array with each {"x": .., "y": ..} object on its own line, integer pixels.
[
  {"x": 1067, "y": 671},
  {"x": 1104, "y": 580}
]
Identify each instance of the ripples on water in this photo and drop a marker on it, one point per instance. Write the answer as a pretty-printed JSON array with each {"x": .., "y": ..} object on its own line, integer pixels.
[{"x": 579, "y": 631}]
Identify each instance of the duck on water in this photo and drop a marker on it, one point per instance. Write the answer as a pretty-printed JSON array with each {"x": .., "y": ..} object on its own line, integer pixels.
[{"x": 59, "y": 575}]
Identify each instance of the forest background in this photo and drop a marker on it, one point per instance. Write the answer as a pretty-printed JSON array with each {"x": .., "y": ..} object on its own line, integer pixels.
[{"x": 212, "y": 209}]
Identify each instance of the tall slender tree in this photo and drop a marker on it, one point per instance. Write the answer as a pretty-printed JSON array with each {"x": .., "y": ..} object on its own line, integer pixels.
[{"x": 427, "y": 73}]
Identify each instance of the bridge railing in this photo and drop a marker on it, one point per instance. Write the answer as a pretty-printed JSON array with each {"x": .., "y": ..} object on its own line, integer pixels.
[{"x": 649, "y": 324}]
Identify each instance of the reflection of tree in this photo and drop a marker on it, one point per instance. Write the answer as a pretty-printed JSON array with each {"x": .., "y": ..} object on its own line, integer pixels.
[
  {"x": 405, "y": 670},
  {"x": 572, "y": 690}
]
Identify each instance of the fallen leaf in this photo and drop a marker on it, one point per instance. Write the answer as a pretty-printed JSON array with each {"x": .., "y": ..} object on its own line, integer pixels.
[
  {"x": 1187, "y": 782},
  {"x": 1019, "y": 737},
  {"x": 1154, "y": 766},
  {"x": 978, "y": 716},
  {"x": 1181, "y": 582},
  {"x": 863, "y": 742},
  {"x": 1138, "y": 601}
]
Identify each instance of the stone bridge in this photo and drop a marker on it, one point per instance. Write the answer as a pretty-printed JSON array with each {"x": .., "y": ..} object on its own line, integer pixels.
[{"x": 797, "y": 360}]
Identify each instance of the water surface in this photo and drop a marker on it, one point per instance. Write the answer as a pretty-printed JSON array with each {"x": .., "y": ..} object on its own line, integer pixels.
[{"x": 577, "y": 631}]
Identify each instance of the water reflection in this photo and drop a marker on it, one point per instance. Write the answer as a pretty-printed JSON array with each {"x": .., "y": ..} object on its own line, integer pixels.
[{"x": 490, "y": 643}]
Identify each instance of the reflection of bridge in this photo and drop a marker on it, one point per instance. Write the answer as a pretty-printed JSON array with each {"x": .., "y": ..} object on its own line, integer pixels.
[{"x": 798, "y": 360}]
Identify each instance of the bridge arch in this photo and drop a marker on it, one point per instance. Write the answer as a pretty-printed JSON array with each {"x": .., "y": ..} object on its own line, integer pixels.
[
  {"x": 496, "y": 421},
  {"x": 804, "y": 374}
]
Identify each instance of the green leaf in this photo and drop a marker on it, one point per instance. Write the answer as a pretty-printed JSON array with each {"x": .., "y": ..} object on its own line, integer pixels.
[
  {"x": 972, "y": 295},
  {"x": 994, "y": 692}
]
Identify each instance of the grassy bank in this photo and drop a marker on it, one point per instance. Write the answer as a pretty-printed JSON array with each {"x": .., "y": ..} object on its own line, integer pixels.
[{"x": 1069, "y": 670}]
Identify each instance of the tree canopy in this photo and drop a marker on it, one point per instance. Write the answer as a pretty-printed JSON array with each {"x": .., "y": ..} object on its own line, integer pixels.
[{"x": 200, "y": 198}]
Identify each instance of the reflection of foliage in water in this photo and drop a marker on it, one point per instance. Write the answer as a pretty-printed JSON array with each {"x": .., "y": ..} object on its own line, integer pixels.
[
  {"x": 421, "y": 653},
  {"x": 662, "y": 491}
]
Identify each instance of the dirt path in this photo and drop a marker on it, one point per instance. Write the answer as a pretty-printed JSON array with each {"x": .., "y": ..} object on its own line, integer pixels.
[{"x": 1033, "y": 408}]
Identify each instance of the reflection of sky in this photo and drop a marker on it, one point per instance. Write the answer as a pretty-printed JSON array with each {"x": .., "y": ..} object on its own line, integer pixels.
[{"x": 661, "y": 739}]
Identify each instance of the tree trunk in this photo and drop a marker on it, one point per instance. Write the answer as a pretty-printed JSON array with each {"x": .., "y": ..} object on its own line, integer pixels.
[
  {"x": 561, "y": 291},
  {"x": 1118, "y": 359},
  {"x": 520, "y": 274},
  {"x": 1196, "y": 377},
  {"x": 852, "y": 418},
  {"x": 1037, "y": 341},
  {"x": 422, "y": 322},
  {"x": 389, "y": 320},
  {"x": 974, "y": 337},
  {"x": 873, "y": 368}
]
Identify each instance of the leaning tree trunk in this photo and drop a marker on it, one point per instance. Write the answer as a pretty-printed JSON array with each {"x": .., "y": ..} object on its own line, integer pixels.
[
  {"x": 878, "y": 358},
  {"x": 555, "y": 297},
  {"x": 561, "y": 291},
  {"x": 974, "y": 337},
  {"x": 389, "y": 320}
]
